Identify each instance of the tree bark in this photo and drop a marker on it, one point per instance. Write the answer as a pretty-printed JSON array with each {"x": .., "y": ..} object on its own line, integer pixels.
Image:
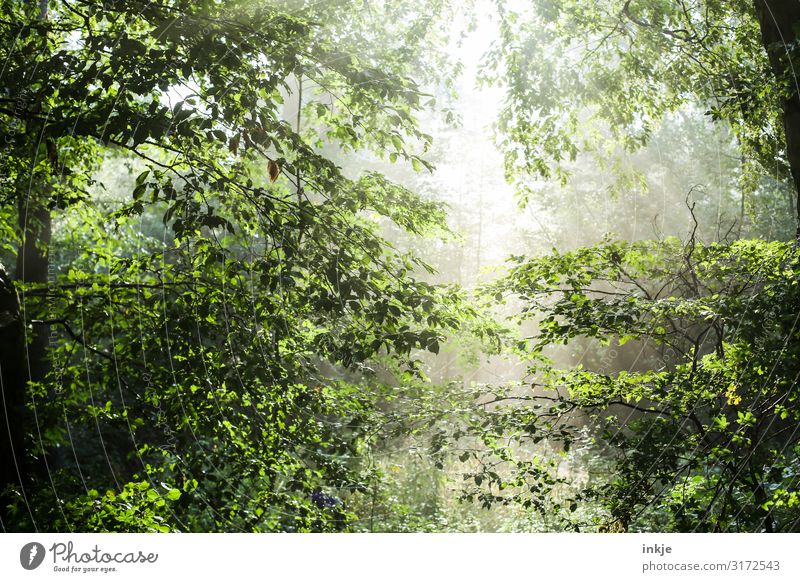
[{"x": 779, "y": 21}]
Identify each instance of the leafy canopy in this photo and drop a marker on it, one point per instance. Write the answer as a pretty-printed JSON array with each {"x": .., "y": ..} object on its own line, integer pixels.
[{"x": 213, "y": 315}]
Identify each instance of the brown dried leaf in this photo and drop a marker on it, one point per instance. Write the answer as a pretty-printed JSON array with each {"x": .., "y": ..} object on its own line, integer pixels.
[{"x": 274, "y": 170}]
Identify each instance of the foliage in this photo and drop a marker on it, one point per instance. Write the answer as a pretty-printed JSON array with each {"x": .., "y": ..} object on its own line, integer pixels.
[
  {"x": 206, "y": 325},
  {"x": 702, "y": 428},
  {"x": 220, "y": 336},
  {"x": 592, "y": 76}
]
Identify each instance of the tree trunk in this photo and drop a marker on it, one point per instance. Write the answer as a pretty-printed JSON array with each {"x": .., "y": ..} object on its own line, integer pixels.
[
  {"x": 33, "y": 266},
  {"x": 779, "y": 21},
  {"x": 23, "y": 349},
  {"x": 13, "y": 378}
]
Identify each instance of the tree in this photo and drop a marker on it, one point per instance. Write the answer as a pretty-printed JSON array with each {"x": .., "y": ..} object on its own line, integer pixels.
[
  {"x": 584, "y": 76},
  {"x": 205, "y": 329},
  {"x": 703, "y": 427},
  {"x": 778, "y": 22},
  {"x": 700, "y": 430}
]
